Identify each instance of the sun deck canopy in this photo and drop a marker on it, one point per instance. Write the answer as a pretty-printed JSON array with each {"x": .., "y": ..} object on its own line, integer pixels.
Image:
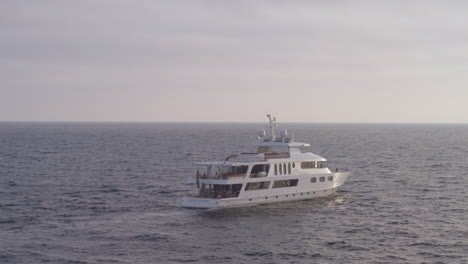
[
  {"x": 281, "y": 144},
  {"x": 308, "y": 156},
  {"x": 220, "y": 163},
  {"x": 299, "y": 157}
]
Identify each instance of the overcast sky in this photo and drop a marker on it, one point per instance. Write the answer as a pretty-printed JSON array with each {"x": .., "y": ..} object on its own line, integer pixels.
[{"x": 303, "y": 61}]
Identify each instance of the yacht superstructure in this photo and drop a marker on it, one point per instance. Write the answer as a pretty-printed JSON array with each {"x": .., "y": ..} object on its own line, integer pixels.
[{"x": 279, "y": 171}]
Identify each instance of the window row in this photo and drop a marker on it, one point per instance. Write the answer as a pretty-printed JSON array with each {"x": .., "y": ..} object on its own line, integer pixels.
[
  {"x": 321, "y": 179},
  {"x": 251, "y": 186},
  {"x": 287, "y": 195},
  {"x": 311, "y": 165},
  {"x": 284, "y": 168}
]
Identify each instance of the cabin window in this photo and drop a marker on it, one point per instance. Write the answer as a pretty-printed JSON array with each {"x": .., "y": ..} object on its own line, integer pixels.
[
  {"x": 313, "y": 180},
  {"x": 322, "y": 179},
  {"x": 280, "y": 169},
  {"x": 330, "y": 178},
  {"x": 259, "y": 170},
  {"x": 285, "y": 183},
  {"x": 232, "y": 170},
  {"x": 240, "y": 169},
  {"x": 307, "y": 165},
  {"x": 284, "y": 168},
  {"x": 289, "y": 168},
  {"x": 220, "y": 190},
  {"x": 251, "y": 186},
  {"x": 294, "y": 165},
  {"x": 276, "y": 169}
]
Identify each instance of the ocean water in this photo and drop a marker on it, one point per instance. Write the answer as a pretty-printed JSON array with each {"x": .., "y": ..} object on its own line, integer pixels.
[{"x": 110, "y": 193}]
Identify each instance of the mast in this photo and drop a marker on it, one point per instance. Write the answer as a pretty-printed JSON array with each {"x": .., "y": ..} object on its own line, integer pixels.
[{"x": 273, "y": 124}]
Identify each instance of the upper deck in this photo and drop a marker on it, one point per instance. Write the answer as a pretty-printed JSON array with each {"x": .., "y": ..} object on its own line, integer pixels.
[
  {"x": 237, "y": 167},
  {"x": 272, "y": 152},
  {"x": 248, "y": 159}
]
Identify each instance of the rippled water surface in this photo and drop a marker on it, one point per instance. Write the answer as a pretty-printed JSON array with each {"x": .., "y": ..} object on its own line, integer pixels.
[{"x": 110, "y": 193}]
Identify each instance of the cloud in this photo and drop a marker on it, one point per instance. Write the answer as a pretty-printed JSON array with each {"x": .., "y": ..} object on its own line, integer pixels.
[{"x": 157, "y": 53}]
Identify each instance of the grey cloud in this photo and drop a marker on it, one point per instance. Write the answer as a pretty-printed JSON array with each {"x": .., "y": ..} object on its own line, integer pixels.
[{"x": 365, "y": 51}]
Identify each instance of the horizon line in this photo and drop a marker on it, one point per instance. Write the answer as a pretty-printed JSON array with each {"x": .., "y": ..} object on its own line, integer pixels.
[{"x": 239, "y": 122}]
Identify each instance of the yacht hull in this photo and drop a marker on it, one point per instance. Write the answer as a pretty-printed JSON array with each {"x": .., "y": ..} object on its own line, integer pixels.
[
  {"x": 210, "y": 203},
  {"x": 295, "y": 194}
]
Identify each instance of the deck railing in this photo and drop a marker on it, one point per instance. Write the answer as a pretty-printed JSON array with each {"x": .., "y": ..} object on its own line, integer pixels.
[
  {"x": 224, "y": 176},
  {"x": 277, "y": 156},
  {"x": 247, "y": 158}
]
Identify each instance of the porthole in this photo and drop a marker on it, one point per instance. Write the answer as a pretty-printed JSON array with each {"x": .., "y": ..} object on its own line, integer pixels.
[
  {"x": 250, "y": 199},
  {"x": 294, "y": 195},
  {"x": 313, "y": 179},
  {"x": 330, "y": 178},
  {"x": 286, "y": 195},
  {"x": 266, "y": 198},
  {"x": 322, "y": 179},
  {"x": 308, "y": 193},
  {"x": 276, "y": 196}
]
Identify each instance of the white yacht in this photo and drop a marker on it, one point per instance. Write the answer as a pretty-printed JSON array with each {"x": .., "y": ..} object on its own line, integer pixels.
[{"x": 281, "y": 170}]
